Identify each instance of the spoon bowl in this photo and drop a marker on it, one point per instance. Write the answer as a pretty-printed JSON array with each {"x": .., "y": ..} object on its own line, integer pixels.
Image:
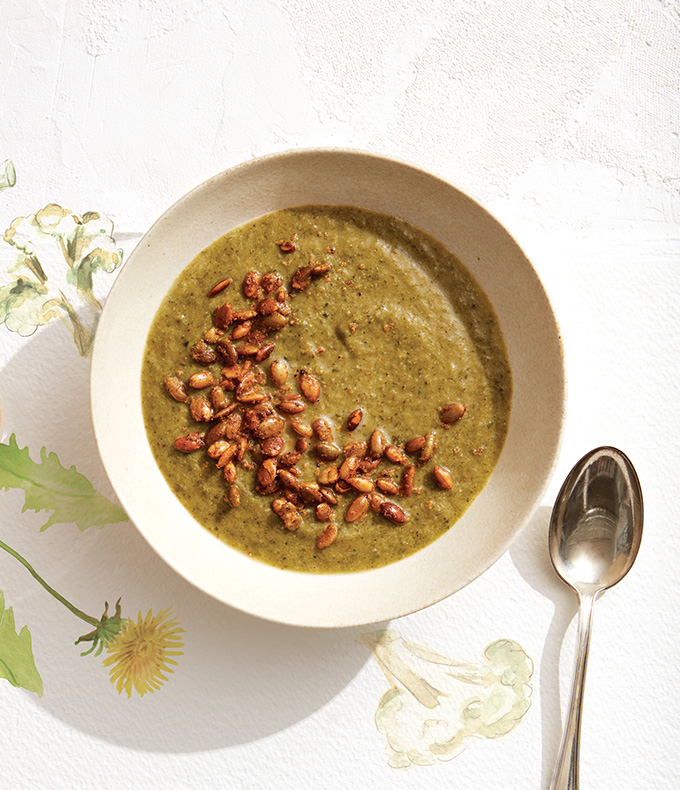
[
  {"x": 596, "y": 524},
  {"x": 594, "y": 537}
]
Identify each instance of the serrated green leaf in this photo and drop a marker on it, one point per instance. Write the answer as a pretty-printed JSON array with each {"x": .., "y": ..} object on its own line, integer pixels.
[
  {"x": 48, "y": 486},
  {"x": 16, "y": 655}
]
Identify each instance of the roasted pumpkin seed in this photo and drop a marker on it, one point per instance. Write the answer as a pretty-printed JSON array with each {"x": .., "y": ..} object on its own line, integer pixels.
[
  {"x": 357, "y": 509},
  {"x": 393, "y": 512},
  {"x": 189, "y": 443},
  {"x": 451, "y": 413},
  {"x": 354, "y": 419},
  {"x": 176, "y": 389},
  {"x": 443, "y": 477},
  {"x": 309, "y": 386},
  {"x": 327, "y": 537}
]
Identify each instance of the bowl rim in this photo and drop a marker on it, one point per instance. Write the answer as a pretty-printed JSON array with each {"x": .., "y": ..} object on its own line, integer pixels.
[{"x": 561, "y": 393}]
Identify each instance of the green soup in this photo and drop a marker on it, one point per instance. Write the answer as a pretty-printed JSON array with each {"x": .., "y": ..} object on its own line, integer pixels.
[{"x": 397, "y": 328}]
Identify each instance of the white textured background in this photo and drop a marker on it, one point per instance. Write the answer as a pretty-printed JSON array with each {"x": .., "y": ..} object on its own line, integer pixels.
[{"x": 560, "y": 117}]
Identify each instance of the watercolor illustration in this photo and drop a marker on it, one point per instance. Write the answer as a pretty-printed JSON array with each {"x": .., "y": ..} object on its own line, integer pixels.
[
  {"x": 143, "y": 651},
  {"x": 48, "y": 486},
  {"x": 138, "y": 653},
  {"x": 52, "y": 258},
  {"x": 48, "y": 263},
  {"x": 17, "y": 664},
  {"x": 8, "y": 175},
  {"x": 436, "y": 705}
]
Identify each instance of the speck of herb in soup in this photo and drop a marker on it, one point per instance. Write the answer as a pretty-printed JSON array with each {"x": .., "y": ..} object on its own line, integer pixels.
[{"x": 422, "y": 356}]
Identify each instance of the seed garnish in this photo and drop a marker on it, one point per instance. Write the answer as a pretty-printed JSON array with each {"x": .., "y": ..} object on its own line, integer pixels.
[
  {"x": 396, "y": 455},
  {"x": 220, "y": 286},
  {"x": 201, "y": 380},
  {"x": 323, "y": 430},
  {"x": 203, "y": 353},
  {"x": 201, "y": 410},
  {"x": 325, "y": 451},
  {"x": 407, "y": 480},
  {"x": 323, "y": 511},
  {"x": 357, "y": 509},
  {"x": 393, "y": 512},
  {"x": 451, "y": 413},
  {"x": 249, "y": 425},
  {"x": 301, "y": 428},
  {"x": 414, "y": 445},
  {"x": 387, "y": 485},
  {"x": 377, "y": 443},
  {"x": 176, "y": 389},
  {"x": 354, "y": 419},
  {"x": 278, "y": 370},
  {"x": 251, "y": 285},
  {"x": 189, "y": 443},
  {"x": 443, "y": 477},
  {"x": 327, "y": 537},
  {"x": 223, "y": 316},
  {"x": 309, "y": 386},
  {"x": 233, "y": 496}
]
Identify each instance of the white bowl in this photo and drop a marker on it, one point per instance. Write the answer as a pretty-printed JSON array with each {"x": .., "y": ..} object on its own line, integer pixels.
[{"x": 331, "y": 176}]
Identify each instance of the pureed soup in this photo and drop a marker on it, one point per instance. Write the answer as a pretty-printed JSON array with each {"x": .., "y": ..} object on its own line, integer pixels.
[{"x": 326, "y": 388}]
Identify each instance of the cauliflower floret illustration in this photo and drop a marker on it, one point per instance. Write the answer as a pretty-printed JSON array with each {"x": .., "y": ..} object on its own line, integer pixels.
[
  {"x": 437, "y": 704},
  {"x": 56, "y": 255},
  {"x": 8, "y": 175}
]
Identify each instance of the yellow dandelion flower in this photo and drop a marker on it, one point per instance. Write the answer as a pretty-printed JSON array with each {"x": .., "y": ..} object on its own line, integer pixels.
[{"x": 141, "y": 652}]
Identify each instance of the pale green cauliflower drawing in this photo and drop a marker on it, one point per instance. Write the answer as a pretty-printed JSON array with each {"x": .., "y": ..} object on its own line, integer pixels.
[
  {"x": 8, "y": 175},
  {"x": 436, "y": 705},
  {"x": 57, "y": 254}
]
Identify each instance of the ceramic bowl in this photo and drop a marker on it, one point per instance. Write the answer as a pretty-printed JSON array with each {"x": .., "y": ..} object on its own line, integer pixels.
[{"x": 331, "y": 176}]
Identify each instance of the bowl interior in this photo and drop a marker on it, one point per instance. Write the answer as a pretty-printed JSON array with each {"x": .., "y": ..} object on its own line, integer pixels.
[{"x": 534, "y": 350}]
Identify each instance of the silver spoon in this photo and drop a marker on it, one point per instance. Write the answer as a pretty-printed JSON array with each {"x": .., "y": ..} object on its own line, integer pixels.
[{"x": 594, "y": 537}]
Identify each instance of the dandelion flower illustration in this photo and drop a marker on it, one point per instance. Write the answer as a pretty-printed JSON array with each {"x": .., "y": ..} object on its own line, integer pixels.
[
  {"x": 138, "y": 652},
  {"x": 142, "y": 652}
]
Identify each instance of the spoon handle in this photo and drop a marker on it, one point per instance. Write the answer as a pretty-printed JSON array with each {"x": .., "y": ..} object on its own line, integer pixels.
[{"x": 565, "y": 775}]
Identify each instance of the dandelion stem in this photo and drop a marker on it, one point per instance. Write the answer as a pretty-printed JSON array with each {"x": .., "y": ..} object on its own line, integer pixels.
[{"x": 50, "y": 590}]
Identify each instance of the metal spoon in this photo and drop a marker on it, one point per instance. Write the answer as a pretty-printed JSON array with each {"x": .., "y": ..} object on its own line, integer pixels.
[{"x": 594, "y": 537}]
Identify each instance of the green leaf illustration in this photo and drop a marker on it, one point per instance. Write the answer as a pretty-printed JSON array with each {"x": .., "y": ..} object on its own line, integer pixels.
[
  {"x": 16, "y": 656},
  {"x": 49, "y": 486}
]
